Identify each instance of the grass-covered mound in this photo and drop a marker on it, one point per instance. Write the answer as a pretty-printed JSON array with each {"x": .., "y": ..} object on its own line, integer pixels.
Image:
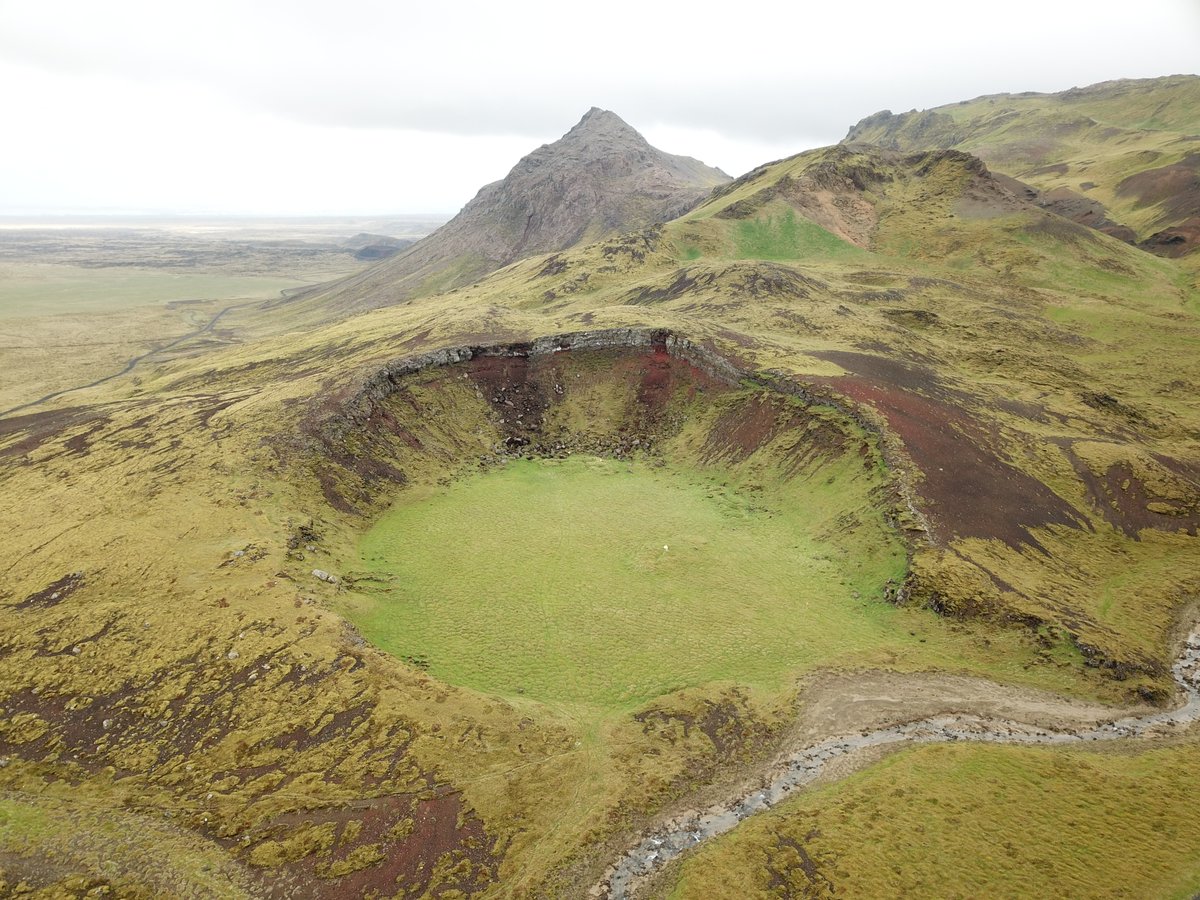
[
  {"x": 1015, "y": 821},
  {"x": 613, "y": 582}
]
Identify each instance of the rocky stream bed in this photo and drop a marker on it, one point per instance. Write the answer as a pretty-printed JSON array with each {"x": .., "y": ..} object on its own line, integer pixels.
[{"x": 802, "y": 767}]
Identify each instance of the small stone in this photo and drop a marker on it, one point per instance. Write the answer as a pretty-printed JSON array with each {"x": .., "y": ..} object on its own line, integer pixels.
[
  {"x": 322, "y": 575},
  {"x": 311, "y": 548},
  {"x": 232, "y": 655},
  {"x": 237, "y": 553},
  {"x": 106, "y": 724}
]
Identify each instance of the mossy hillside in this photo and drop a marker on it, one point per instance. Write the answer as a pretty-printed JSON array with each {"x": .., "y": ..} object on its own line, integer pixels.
[
  {"x": 1087, "y": 141},
  {"x": 252, "y": 503},
  {"x": 933, "y": 208},
  {"x": 1017, "y": 822},
  {"x": 63, "y": 845}
]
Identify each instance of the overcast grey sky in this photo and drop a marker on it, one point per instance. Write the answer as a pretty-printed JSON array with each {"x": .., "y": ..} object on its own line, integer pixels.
[{"x": 378, "y": 106}]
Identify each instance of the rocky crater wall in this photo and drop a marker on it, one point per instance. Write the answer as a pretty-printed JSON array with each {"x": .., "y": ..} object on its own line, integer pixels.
[{"x": 524, "y": 391}]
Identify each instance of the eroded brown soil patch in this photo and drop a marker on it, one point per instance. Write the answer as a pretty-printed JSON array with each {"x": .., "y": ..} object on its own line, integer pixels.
[
  {"x": 1175, "y": 241},
  {"x": 1127, "y": 503},
  {"x": 967, "y": 489},
  {"x": 1175, "y": 189},
  {"x": 417, "y": 844},
  {"x": 54, "y": 593},
  {"x": 21, "y": 435}
]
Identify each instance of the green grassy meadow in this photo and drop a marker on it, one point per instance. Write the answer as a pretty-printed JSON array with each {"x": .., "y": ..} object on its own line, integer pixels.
[
  {"x": 609, "y": 582},
  {"x": 562, "y": 591}
]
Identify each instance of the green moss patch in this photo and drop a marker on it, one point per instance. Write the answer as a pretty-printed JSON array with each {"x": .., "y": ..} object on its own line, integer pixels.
[{"x": 789, "y": 236}]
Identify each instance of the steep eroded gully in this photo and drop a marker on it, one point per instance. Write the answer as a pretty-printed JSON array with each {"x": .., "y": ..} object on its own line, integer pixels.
[{"x": 685, "y": 832}]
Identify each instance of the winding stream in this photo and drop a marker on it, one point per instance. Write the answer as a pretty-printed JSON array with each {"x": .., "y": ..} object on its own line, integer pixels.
[{"x": 686, "y": 832}]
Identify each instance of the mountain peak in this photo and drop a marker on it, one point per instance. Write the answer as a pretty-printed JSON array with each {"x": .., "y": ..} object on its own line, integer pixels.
[
  {"x": 600, "y": 178},
  {"x": 597, "y": 121}
]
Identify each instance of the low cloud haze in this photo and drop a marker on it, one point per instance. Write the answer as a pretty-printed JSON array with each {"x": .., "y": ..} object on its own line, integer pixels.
[{"x": 364, "y": 106}]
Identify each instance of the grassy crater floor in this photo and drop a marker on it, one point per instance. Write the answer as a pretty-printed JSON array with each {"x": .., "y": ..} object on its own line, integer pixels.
[{"x": 610, "y": 582}]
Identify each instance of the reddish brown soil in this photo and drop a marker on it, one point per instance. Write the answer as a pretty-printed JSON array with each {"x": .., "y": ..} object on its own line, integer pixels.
[
  {"x": 414, "y": 834},
  {"x": 522, "y": 389},
  {"x": 1178, "y": 240},
  {"x": 1176, "y": 188},
  {"x": 967, "y": 489},
  {"x": 659, "y": 380},
  {"x": 1123, "y": 499},
  {"x": 519, "y": 398}
]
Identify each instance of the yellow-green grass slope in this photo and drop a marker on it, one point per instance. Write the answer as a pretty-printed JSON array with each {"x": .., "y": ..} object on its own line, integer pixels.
[{"x": 971, "y": 821}]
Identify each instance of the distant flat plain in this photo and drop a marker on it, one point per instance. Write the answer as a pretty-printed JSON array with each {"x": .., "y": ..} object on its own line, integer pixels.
[{"x": 81, "y": 296}]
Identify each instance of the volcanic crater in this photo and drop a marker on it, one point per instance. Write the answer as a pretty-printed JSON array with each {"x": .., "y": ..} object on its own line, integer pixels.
[{"x": 608, "y": 495}]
